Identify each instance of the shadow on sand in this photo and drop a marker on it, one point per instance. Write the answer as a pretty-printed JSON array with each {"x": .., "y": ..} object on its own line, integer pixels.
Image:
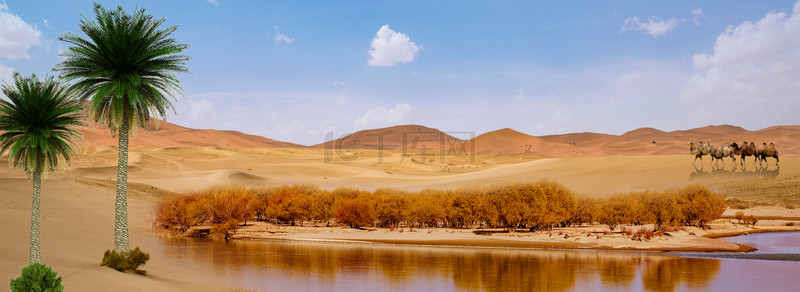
[{"x": 737, "y": 171}]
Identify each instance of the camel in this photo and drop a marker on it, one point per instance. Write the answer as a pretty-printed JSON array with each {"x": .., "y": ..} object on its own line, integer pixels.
[
  {"x": 744, "y": 150},
  {"x": 767, "y": 151},
  {"x": 716, "y": 155},
  {"x": 736, "y": 149},
  {"x": 699, "y": 150},
  {"x": 721, "y": 152}
]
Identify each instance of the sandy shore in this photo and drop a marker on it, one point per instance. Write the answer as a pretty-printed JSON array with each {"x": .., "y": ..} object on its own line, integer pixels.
[{"x": 595, "y": 237}]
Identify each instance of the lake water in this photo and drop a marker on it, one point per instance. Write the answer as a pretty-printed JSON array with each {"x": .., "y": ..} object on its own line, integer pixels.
[{"x": 298, "y": 266}]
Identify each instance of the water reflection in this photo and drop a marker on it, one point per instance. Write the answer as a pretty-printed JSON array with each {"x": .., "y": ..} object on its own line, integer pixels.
[
  {"x": 277, "y": 265},
  {"x": 618, "y": 272},
  {"x": 667, "y": 275}
]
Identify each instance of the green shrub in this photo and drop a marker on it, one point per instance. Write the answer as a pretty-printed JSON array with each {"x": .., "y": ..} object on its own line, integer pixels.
[
  {"x": 37, "y": 277},
  {"x": 790, "y": 223},
  {"x": 126, "y": 260}
]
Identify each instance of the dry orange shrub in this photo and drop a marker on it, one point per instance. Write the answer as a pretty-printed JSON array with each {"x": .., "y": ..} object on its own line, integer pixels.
[
  {"x": 542, "y": 204},
  {"x": 355, "y": 213},
  {"x": 175, "y": 214},
  {"x": 224, "y": 208},
  {"x": 390, "y": 206},
  {"x": 691, "y": 205}
]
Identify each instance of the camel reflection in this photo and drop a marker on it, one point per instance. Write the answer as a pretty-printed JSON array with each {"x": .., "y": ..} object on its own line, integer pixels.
[
  {"x": 764, "y": 172},
  {"x": 327, "y": 266}
]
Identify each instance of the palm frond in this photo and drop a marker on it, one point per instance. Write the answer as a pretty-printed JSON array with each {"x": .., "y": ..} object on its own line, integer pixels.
[
  {"x": 124, "y": 61},
  {"x": 38, "y": 123}
]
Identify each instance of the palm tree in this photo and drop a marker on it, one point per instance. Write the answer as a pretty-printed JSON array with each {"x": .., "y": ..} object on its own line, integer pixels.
[
  {"x": 125, "y": 68},
  {"x": 38, "y": 124}
]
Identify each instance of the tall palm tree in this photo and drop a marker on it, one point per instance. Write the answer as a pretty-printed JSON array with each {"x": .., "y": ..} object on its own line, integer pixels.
[
  {"x": 126, "y": 69},
  {"x": 38, "y": 129}
]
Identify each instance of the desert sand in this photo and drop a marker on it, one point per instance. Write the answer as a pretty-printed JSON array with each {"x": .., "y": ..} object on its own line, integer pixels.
[{"x": 77, "y": 202}]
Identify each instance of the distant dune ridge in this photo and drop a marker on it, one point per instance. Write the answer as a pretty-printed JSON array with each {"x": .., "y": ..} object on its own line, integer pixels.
[
  {"x": 410, "y": 137},
  {"x": 642, "y": 141},
  {"x": 161, "y": 133}
]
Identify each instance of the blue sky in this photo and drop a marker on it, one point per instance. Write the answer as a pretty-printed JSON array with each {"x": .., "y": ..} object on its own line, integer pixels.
[{"x": 298, "y": 70}]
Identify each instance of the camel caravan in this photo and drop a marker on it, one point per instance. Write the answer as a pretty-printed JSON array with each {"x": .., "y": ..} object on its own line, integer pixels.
[{"x": 733, "y": 150}]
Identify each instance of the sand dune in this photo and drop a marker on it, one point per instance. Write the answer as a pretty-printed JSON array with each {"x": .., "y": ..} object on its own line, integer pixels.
[
  {"x": 187, "y": 169},
  {"x": 646, "y": 131},
  {"x": 161, "y": 133},
  {"x": 649, "y": 141},
  {"x": 508, "y": 141},
  {"x": 412, "y": 137},
  {"x": 642, "y": 141}
]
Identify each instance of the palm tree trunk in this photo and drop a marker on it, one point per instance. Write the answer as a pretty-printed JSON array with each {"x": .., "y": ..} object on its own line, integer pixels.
[
  {"x": 36, "y": 252},
  {"x": 121, "y": 237}
]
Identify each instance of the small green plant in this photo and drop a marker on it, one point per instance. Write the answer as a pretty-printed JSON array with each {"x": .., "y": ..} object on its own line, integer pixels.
[
  {"x": 37, "y": 277},
  {"x": 790, "y": 223},
  {"x": 126, "y": 260}
]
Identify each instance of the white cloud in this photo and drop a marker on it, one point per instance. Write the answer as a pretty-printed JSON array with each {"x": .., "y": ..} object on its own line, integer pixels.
[
  {"x": 520, "y": 95},
  {"x": 5, "y": 75},
  {"x": 16, "y": 36},
  {"x": 653, "y": 27},
  {"x": 202, "y": 109},
  {"x": 46, "y": 23},
  {"x": 752, "y": 74},
  {"x": 341, "y": 96},
  {"x": 281, "y": 38},
  {"x": 657, "y": 27},
  {"x": 213, "y": 2},
  {"x": 697, "y": 14},
  {"x": 390, "y": 47},
  {"x": 560, "y": 121},
  {"x": 292, "y": 116},
  {"x": 379, "y": 116},
  {"x": 299, "y": 132},
  {"x": 632, "y": 93}
]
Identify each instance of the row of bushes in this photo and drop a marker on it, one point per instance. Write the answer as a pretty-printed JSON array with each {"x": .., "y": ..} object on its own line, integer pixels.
[
  {"x": 692, "y": 205},
  {"x": 533, "y": 205}
]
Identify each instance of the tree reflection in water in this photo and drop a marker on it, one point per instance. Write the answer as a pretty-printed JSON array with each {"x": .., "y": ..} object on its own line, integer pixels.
[{"x": 275, "y": 264}]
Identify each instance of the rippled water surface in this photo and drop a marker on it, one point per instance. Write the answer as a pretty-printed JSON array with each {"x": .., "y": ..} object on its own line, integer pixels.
[{"x": 296, "y": 266}]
